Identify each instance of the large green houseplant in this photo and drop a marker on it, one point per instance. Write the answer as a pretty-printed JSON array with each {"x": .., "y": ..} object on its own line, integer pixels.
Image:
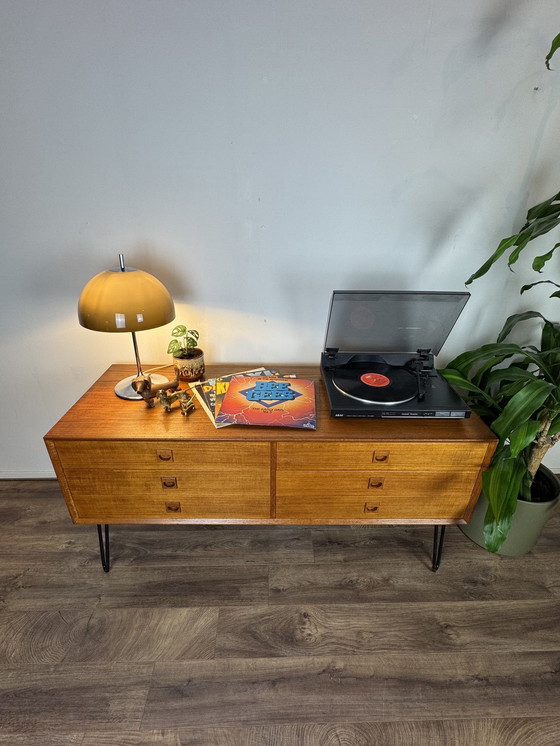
[{"x": 516, "y": 388}]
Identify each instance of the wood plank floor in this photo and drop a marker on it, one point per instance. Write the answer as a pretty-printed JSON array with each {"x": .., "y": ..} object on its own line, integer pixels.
[{"x": 268, "y": 636}]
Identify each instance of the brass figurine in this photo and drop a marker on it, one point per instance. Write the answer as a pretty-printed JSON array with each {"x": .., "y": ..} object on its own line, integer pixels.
[
  {"x": 148, "y": 391},
  {"x": 185, "y": 399}
]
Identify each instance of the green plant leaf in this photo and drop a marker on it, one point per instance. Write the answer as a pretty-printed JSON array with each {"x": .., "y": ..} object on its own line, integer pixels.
[
  {"x": 521, "y": 407},
  {"x": 495, "y": 531},
  {"x": 530, "y": 353},
  {"x": 507, "y": 391},
  {"x": 507, "y": 375},
  {"x": 540, "y": 282},
  {"x": 554, "y": 426},
  {"x": 179, "y": 331},
  {"x": 515, "y": 319},
  {"x": 466, "y": 360},
  {"x": 501, "y": 484},
  {"x": 553, "y": 48},
  {"x": 456, "y": 379},
  {"x": 524, "y": 239},
  {"x": 173, "y": 347},
  {"x": 540, "y": 261},
  {"x": 503, "y": 246},
  {"x": 544, "y": 208},
  {"x": 541, "y": 219},
  {"x": 523, "y": 436},
  {"x": 550, "y": 338},
  {"x": 484, "y": 372}
]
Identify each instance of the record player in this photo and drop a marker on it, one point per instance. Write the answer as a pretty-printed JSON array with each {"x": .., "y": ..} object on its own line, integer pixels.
[{"x": 379, "y": 354}]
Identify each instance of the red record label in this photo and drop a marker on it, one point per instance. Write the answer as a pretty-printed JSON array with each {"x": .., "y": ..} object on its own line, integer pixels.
[{"x": 375, "y": 379}]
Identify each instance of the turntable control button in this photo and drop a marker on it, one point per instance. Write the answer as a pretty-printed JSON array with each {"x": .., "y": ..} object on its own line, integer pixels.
[{"x": 380, "y": 457}]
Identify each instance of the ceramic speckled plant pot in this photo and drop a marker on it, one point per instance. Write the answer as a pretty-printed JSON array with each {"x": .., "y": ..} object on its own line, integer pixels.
[
  {"x": 528, "y": 520},
  {"x": 190, "y": 368}
]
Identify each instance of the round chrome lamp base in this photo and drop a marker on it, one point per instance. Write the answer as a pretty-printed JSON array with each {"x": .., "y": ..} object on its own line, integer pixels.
[{"x": 124, "y": 389}]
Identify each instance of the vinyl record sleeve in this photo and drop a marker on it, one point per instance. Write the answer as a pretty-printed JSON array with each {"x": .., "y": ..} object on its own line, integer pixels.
[
  {"x": 211, "y": 391},
  {"x": 269, "y": 401}
]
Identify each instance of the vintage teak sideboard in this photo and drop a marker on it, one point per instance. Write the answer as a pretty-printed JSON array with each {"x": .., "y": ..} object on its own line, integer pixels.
[{"x": 121, "y": 462}]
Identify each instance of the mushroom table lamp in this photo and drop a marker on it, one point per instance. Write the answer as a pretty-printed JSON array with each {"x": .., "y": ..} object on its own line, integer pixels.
[{"x": 126, "y": 299}]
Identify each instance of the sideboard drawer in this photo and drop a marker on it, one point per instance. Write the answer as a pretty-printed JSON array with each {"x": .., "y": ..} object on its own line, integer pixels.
[
  {"x": 370, "y": 485},
  {"x": 314, "y": 508},
  {"x": 173, "y": 483},
  {"x": 147, "y": 454},
  {"x": 133, "y": 508},
  {"x": 388, "y": 455}
]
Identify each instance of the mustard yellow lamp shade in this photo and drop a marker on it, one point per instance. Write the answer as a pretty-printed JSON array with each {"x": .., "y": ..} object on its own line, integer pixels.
[{"x": 125, "y": 299}]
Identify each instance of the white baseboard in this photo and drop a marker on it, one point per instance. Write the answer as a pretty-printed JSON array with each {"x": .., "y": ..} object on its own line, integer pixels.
[{"x": 27, "y": 475}]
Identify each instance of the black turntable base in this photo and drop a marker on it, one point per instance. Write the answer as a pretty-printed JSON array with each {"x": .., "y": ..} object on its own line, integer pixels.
[{"x": 351, "y": 397}]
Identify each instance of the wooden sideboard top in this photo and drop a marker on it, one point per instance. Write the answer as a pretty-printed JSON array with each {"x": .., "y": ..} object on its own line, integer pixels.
[{"x": 100, "y": 414}]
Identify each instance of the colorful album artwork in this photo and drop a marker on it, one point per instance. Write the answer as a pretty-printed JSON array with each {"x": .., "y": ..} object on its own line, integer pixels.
[
  {"x": 210, "y": 392},
  {"x": 277, "y": 402}
]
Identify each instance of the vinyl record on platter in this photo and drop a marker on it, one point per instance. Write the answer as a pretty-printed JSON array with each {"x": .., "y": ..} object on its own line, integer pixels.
[{"x": 375, "y": 383}]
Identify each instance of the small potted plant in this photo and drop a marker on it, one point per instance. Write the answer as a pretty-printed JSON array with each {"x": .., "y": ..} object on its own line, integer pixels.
[{"x": 188, "y": 359}]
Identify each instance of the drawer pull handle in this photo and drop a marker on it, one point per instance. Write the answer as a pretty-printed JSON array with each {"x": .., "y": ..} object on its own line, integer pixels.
[
  {"x": 375, "y": 484},
  {"x": 169, "y": 482},
  {"x": 165, "y": 455},
  {"x": 173, "y": 507},
  {"x": 380, "y": 457},
  {"x": 370, "y": 508}
]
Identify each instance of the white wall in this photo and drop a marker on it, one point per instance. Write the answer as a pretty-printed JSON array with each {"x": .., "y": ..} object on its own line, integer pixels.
[{"x": 255, "y": 155}]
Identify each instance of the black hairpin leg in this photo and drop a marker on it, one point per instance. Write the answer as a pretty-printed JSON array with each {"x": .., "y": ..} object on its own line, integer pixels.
[
  {"x": 104, "y": 547},
  {"x": 439, "y": 535}
]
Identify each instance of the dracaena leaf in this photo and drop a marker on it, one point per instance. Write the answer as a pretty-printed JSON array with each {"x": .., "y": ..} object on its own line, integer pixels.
[
  {"x": 550, "y": 337},
  {"x": 546, "y": 207},
  {"x": 519, "y": 246},
  {"x": 548, "y": 220},
  {"x": 553, "y": 48},
  {"x": 523, "y": 436},
  {"x": 511, "y": 373},
  {"x": 541, "y": 219},
  {"x": 540, "y": 261},
  {"x": 554, "y": 426},
  {"x": 456, "y": 379},
  {"x": 501, "y": 484},
  {"x": 521, "y": 407},
  {"x": 466, "y": 360},
  {"x": 515, "y": 319},
  {"x": 540, "y": 282},
  {"x": 503, "y": 246}
]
